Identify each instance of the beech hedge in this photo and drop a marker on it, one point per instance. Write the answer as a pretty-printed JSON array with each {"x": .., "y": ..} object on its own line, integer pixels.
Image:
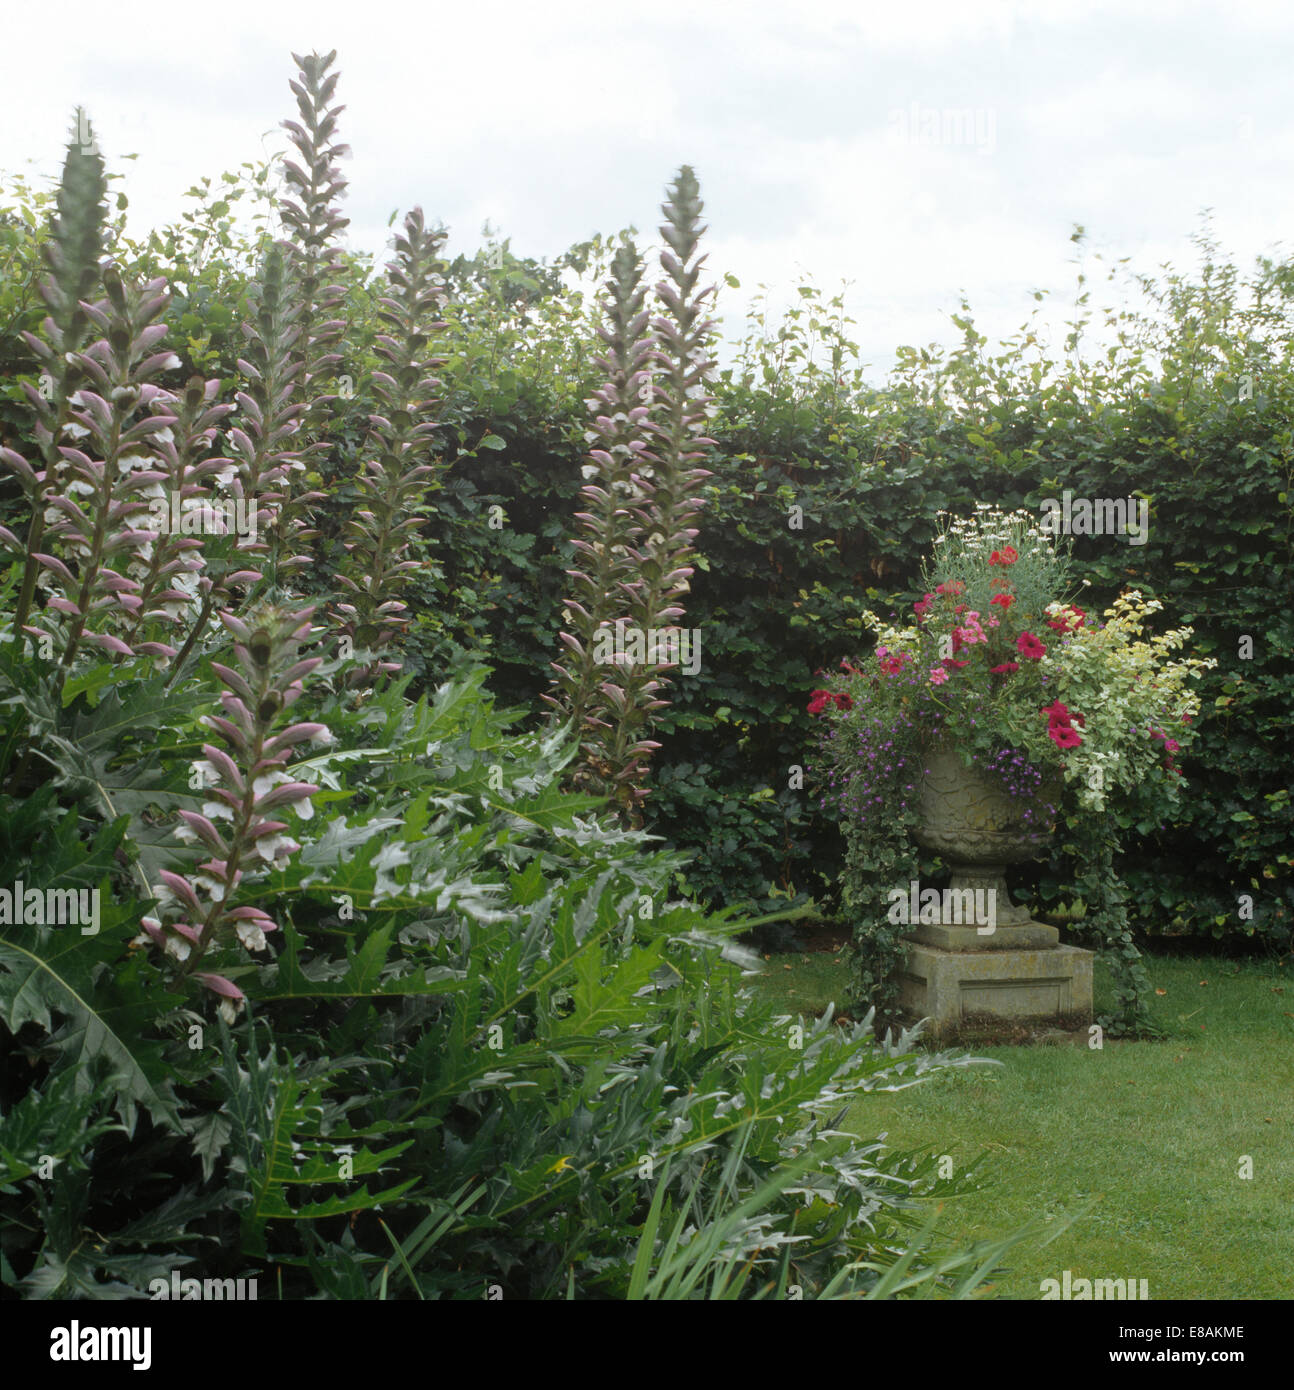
[{"x": 818, "y": 510}]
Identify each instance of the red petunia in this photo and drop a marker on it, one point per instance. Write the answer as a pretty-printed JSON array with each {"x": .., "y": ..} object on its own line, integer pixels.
[
  {"x": 1063, "y": 736},
  {"x": 892, "y": 665},
  {"x": 844, "y": 701},
  {"x": 1007, "y": 666},
  {"x": 1028, "y": 645},
  {"x": 1066, "y": 621},
  {"x": 947, "y": 663},
  {"x": 821, "y": 699}
]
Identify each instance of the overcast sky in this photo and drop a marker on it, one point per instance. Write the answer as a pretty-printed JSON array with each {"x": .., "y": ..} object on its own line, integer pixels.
[{"x": 917, "y": 150}]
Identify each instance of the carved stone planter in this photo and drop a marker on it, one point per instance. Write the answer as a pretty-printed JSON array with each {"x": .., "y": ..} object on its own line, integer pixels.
[
  {"x": 1016, "y": 969},
  {"x": 977, "y": 829}
]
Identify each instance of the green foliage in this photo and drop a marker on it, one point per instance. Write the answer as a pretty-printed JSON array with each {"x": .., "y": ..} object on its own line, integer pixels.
[
  {"x": 98, "y": 1022},
  {"x": 502, "y": 1023},
  {"x": 778, "y": 594},
  {"x": 874, "y": 863},
  {"x": 484, "y": 993},
  {"x": 497, "y": 1042}
]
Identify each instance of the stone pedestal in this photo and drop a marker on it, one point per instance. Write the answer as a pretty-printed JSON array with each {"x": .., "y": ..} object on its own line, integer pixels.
[
  {"x": 998, "y": 962},
  {"x": 1031, "y": 978}
]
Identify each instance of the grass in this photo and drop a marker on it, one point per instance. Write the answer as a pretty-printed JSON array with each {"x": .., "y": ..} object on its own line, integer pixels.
[{"x": 1155, "y": 1132}]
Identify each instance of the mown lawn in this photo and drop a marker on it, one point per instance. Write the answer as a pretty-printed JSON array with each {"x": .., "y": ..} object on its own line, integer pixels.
[{"x": 1154, "y": 1131}]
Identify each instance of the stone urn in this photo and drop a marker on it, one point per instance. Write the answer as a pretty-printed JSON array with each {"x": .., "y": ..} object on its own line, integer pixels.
[
  {"x": 978, "y": 829},
  {"x": 960, "y": 973}
]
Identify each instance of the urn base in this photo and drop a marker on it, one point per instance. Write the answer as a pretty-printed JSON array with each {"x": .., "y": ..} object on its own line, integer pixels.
[{"x": 949, "y": 986}]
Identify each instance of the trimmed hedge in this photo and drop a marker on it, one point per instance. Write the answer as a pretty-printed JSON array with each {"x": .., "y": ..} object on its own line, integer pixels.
[
  {"x": 779, "y": 593},
  {"x": 1192, "y": 409}
]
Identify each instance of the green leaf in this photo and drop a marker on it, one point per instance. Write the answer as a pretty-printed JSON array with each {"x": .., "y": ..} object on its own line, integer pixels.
[
  {"x": 99, "y": 1025},
  {"x": 101, "y": 1006}
]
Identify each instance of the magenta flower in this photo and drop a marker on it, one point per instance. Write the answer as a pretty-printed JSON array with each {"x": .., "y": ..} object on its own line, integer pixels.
[{"x": 1063, "y": 736}]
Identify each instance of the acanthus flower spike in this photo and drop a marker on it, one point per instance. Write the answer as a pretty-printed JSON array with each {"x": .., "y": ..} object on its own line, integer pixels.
[
  {"x": 200, "y": 914},
  {"x": 399, "y": 470}
]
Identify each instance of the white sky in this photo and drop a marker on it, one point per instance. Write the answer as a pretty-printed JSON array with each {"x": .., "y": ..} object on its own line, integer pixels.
[{"x": 809, "y": 125}]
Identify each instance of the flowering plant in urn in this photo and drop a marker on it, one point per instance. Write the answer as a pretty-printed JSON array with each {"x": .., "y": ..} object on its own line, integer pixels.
[{"x": 1004, "y": 687}]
